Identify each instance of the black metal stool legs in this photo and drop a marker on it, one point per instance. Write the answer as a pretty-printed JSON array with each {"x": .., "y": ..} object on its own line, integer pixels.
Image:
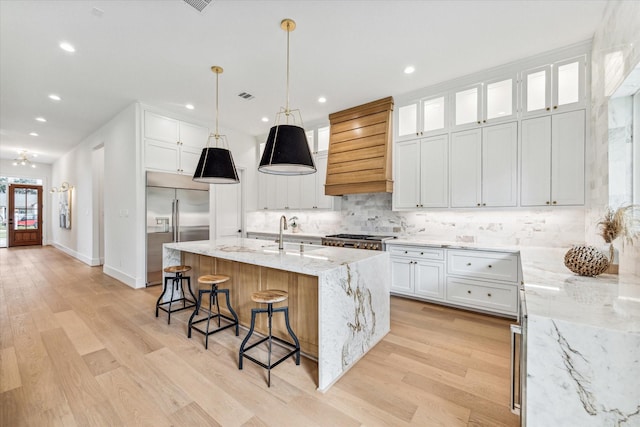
[
  {"x": 295, "y": 346},
  {"x": 213, "y": 296},
  {"x": 176, "y": 281}
]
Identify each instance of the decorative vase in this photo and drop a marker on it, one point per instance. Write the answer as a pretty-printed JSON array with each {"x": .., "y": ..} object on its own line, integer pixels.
[
  {"x": 613, "y": 256},
  {"x": 586, "y": 260}
]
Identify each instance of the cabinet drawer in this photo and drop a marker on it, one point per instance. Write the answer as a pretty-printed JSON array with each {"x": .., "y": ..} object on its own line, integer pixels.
[
  {"x": 490, "y": 296},
  {"x": 483, "y": 265},
  {"x": 416, "y": 252}
]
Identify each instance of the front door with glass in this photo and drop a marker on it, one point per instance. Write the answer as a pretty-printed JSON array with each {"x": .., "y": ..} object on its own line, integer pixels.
[{"x": 24, "y": 223}]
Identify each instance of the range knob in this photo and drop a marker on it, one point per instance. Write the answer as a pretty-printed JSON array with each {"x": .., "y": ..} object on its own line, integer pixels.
[
  {"x": 341, "y": 244},
  {"x": 356, "y": 245}
]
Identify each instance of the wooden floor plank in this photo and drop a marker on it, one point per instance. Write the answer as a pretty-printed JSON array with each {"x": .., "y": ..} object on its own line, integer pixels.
[
  {"x": 90, "y": 351},
  {"x": 130, "y": 400},
  {"x": 78, "y": 332},
  {"x": 9, "y": 371}
]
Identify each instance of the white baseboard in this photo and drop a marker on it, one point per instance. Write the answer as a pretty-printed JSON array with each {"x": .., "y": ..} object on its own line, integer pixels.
[
  {"x": 89, "y": 261},
  {"x": 121, "y": 276}
]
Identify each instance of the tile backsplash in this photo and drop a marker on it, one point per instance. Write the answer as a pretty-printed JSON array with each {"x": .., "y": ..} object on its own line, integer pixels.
[{"x": 372, "y": 214}]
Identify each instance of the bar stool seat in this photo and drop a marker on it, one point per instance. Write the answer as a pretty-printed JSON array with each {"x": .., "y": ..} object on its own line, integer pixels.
[
  {"x": 177, "y": 281},
  {"x": 212, "y": 280},
  {"x": 270, "y": 297}
]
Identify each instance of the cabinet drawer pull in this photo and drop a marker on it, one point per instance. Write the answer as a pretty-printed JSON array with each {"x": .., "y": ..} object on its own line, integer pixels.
[
  {"x": 489, "y": 295},
  {"x": 468, "y": 264},
  {"x": 548, "y": 108},
  {"x": 421, "y": 253},
  {"x": 406, "y": 252},
  {"x": 478, "y": 204},
  {"x": 468, "y": 292},
  {"x": 554, "y": 202},
  {"x": 417, "y": 206},
  {"x": 489, "y": 265},
  {"x": 548, "y": 202},
  {"x": 555, "y": 107}
]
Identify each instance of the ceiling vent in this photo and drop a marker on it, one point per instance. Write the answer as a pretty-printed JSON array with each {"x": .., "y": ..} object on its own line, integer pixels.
[
  {"x": 198, "y": 5},
  {"x": 245, "y": 95}
]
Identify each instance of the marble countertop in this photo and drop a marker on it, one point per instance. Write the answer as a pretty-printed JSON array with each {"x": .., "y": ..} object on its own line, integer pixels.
[
  {"x": 314, "y": 260},
  {"x": 421, "y": 241},
  {"x": 287, "y": 233},
  {"x": 551, "y": 290}
]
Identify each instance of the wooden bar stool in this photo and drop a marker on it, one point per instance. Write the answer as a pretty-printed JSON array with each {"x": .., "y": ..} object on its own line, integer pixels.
[
  {"x": 213, "y": 280},
  {"x": 177, "y": 279},
  {"x": 270, "y": 297}
]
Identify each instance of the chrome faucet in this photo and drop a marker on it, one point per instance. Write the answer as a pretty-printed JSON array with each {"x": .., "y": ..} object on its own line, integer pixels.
[{"x": 283, "y": 226}]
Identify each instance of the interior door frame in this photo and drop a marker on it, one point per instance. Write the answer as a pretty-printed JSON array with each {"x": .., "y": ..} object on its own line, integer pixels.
[{"x": 11, "y": 240}]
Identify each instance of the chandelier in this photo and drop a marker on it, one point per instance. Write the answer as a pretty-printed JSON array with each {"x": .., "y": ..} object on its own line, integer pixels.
[{"x": 23, "y": 159}]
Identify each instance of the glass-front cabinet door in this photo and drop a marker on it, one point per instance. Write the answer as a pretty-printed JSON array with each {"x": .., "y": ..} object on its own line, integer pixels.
[
  {"x": 408, "y": 120},
  {"x": 536, "y": 90},
  {"x": 422, "y": 117},
  {"x": 434, "y": 114},
  {"x": 569, "y": 83},
  {"x": 499, "y": 100},
  {"x": 468, "y": 106},
  {"x": 554, "y": 87}
]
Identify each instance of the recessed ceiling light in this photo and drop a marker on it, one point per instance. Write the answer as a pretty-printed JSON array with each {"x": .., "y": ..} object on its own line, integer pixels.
[
  {"x": 67, "y": 47},
  {"x": 265, "y": 119},
  {"x": 41, "y": 119},
  {"x": 410, "y": 69},
  {"x": 322, "y": 100},
  {"x": 54, "y": 97},
  {"x": 189, "y": 107},
  {"x": 33, "y": 134}
]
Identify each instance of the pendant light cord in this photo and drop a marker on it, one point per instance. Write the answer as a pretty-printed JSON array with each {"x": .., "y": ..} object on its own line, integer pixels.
[
  {"x": 217, "y": 135},
  {"x": 287, "y": 108}
]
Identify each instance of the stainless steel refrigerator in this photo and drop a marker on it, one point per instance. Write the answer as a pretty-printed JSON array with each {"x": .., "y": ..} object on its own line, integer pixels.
[{"x": 177, "y": 211}]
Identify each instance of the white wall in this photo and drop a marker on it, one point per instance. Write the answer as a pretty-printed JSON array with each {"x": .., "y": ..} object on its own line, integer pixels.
[
  {"x": 43, "y": 172},
  {"x": 119, "y": 139}
]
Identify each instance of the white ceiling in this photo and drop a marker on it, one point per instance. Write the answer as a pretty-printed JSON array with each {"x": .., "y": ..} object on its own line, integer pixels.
[{"x": 160, "y": 53}]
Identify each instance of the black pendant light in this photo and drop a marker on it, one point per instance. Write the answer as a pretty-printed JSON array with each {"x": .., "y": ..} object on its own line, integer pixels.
[
  {"x": 286, "y": 151},
  {"x": 216, "y": 163}
]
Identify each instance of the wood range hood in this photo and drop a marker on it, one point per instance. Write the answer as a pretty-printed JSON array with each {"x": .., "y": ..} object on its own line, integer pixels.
[{"x": 360, "y": 150}]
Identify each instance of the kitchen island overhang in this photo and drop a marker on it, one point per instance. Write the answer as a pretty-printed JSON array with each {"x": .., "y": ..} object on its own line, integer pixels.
[{"x": 353, "y": 300}]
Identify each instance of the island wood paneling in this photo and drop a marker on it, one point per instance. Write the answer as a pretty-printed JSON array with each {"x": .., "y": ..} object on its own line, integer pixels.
[
  {"x": 360, "y": 149},
  {"x": 246, "y": 279}
]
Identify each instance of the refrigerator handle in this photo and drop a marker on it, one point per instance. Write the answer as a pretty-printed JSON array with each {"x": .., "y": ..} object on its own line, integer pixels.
[
  {"x": 173, "y": 220},
  {"x": 177, "y": 227}
]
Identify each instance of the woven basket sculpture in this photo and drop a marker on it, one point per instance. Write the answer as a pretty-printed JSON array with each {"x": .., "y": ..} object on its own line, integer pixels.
[{"x": 586, "y": 260}]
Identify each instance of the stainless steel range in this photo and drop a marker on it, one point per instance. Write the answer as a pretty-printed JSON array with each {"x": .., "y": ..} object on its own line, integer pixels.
[{"x": 357, "y": 241}]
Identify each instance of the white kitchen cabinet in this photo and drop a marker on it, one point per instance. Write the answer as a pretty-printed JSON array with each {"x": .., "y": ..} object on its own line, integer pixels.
[
  {"x": 172, "y": 145},
  {"x": 479, "y": 280},
  {"x": 422, "y": 117},
  {"x": 483, "y": 280},
  {"x": 556, "y": 87},
  {"x": 280, "y": 192},
  {"x": 484, "y": 103},
  {"x": 484, "y": 166},
  {"x": 552, "y": 165},
  {"x": 422, "y": 171},
  {"x": 416, "y": 272}
]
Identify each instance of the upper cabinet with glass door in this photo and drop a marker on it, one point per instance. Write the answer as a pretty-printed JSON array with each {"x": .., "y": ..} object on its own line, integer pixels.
[
  {"x": 556, "y": 87},
  {"x": 490, "y": 102},
  {"x": 423, "y": 117}
]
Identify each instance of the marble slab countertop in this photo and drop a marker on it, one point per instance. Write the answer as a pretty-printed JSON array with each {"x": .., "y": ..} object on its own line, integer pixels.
[
  {"x": 313, "y": 261},
  {"x": 421, "y": 241},
  {"x": 553, "y": 291},
  {"x": 288, "y": 233}
]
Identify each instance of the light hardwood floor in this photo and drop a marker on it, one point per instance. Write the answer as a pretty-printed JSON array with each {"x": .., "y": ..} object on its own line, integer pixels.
[{"x": 78, "y": 348}]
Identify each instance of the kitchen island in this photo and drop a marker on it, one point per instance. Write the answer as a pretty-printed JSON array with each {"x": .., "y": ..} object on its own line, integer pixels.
[
  {"x": 582, "y": 344},
  {"x": 338, "y": 298}
]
